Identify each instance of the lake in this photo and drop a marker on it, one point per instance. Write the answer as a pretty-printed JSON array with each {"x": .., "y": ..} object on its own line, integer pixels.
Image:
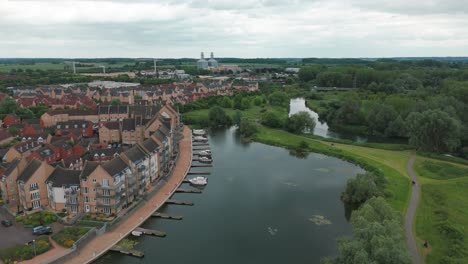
[{"x": 261, "y": 205}]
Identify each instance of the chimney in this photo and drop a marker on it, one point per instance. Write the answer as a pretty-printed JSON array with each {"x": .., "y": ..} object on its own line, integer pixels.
[
  {"x": 212, "y": 56},
  {"x": 202, "y": 55}
]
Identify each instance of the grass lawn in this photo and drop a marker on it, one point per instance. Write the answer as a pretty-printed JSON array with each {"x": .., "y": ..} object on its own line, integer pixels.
[
  {"x": 24, "y": 252},
  {"x": 442, "y": 215}
]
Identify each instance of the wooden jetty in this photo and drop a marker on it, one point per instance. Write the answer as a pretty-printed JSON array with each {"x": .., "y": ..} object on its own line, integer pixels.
[
  {"x": 150, "y": 232},
  {"x": 198, "y": 173},
  {"x": 167, "y": 216},
  {"x": 202, "y": 165},
  {"x": 130, "y": 252},
  {"x": 179, "y": 202},
  {"x": 200, "y": 144},
  {"x": 181, "y": 190},
  {"x": 185, "y": 181}
]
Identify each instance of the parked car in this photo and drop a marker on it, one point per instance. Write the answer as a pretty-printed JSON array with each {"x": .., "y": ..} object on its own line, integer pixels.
[
  {"x": 42, "y": 230},
  {"x": 6, "y": 223}
]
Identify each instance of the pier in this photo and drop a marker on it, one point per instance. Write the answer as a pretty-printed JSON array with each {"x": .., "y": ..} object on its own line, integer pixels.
[
  {"x": 201, "y": 165},
  {"x": 150, "y": 232},
  {"x": 198, "y": 173},
  {"x": 167, "y": 216},
  {"x": 127, "y": 251},
  {"x": 181, "y": 190},
  {"x": 201, "y": 144},
  {"x": 179, "y": 202}
]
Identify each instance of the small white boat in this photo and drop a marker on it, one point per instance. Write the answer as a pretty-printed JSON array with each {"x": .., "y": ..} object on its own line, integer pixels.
[
  {"x": 137, "y": 233},
  {"x": 205, "y": 159},
  {"x": 200, "y": 139},
  {"x": 199, "y": 132},
  {"x": 204, "y": 153},
  {"x": 202, "y": 181}
]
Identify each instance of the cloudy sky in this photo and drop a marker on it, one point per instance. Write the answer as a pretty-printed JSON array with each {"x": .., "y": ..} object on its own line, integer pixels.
[{"x": 233, "y": 28}]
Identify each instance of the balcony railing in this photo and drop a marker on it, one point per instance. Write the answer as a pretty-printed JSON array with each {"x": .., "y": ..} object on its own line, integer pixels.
[{"x": 109, "y": 187}]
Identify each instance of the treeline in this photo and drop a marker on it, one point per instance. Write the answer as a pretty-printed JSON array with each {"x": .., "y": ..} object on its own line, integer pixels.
[{"x": 424, "y": 101}]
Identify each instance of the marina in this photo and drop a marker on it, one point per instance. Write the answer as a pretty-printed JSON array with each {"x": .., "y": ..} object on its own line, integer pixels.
[
  {"x": 179, "y": 202},
  {"x": 280, "y": 191},
  {"x": 167, "y": 216}
]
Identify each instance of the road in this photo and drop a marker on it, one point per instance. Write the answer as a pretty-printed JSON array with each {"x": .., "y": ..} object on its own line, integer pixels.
[{"x": 411, "y": 212}]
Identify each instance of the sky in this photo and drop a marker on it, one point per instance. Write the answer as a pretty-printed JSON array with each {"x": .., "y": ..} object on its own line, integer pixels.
[{"x": 233, "y": 28}]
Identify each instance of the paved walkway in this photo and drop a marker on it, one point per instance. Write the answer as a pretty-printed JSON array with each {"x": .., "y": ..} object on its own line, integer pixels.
[
  {"x": 102, "y": 243},
  {"x": 410, "y": 213}
]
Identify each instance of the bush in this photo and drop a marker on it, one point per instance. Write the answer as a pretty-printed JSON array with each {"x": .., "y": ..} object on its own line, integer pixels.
[
  {"x": 37, "y": 219},
  {"x": 68, "y": 236},
  {"x": 25, "y": 252}
]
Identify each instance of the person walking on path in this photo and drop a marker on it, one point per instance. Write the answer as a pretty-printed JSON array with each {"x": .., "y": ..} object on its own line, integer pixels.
[{"x": 410, "y": 213}]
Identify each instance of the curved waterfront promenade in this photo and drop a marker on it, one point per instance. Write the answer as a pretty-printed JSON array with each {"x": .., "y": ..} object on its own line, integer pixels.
[{"x": 102, "y": 243}]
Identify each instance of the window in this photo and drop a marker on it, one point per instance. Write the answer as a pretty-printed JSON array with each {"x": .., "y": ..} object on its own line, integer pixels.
[
  {"x": 94, "y": 189},
  {"x": 106, "y": 192},
  {"x": 86, "y": 199},
  {"x": 106, "y": 201},
  {"x": 33, "y": 186},
  {"x": 85, "y": 190},
  {"x": 35, "y": 195},
  {"x": 36, "y": 204},
  {"x": 105, "y": 182},
  {"x": 94, "y": 180}
]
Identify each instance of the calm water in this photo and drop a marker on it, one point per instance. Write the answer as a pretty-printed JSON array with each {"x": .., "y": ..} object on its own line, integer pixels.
[
  {"x": 321, "y": 128},
  {"x": 256, "y": 209}
]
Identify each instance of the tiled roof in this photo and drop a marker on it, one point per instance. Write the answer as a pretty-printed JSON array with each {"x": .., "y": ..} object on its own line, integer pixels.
[
  {"x": 30, "y": 169},
  {"x": 63, "y": 177},
  {"x": 135, "y": 154},
  {"x": 115, "y": 166},
  {"x": 88, "y": 168}
]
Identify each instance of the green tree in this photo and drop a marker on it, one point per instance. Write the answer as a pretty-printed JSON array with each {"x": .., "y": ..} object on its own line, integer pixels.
[
  {"x": 396, "y": 128},
  {"x": 300, "y": 122},
  {"x": 247, "y": 127},
  {"x": 278, "y": 99},
  {"x": 13, "y": 130},
  {"x": 433, "y": 130},
  {"x": 237, "y": 104},
  {"x": 379, "y": 117},
  {"x": 115, "y": 102},
  {"x": 360, "y": 189},
  {"x": 378, "y": 237},
  {"x": 225, "y": 102},
  {"x": 270, "y": 119},
  {"x": 237, "y": 118},
  {"x": 245, "y": 103},
  {"x": 218, "y": 118},
  {"x": 8, "y": 106},
  {"x": 258, "y": 100}
]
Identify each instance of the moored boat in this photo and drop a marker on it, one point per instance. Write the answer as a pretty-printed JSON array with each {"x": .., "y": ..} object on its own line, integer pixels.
[
  {"x": 205, "y": 160},
  {"x": 200, "y": 139},
  {"x": 199, "y": 132},
  {"x": 201, "y": 181},
  {"x": 137, "y": 233},
  {"x": 205, "y": 153}
]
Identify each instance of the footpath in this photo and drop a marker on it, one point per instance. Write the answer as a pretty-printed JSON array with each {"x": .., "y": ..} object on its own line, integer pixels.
[{"x": 411, "y": 212}]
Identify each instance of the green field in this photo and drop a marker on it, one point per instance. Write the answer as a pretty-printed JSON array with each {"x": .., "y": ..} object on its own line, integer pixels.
[
  {"x": 442, "y": 216},
  {"x": 56, "y": 66}
]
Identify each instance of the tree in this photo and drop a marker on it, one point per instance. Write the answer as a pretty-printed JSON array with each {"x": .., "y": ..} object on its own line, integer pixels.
[
  {"x": 237, "y": 102},
  {"x": 378, "y": 237},
  {"x": 360, "y": 189},
  {"x": 13, "y": 130},
  {"x": 300, "y": 122},
  {"x": 270, "y": 119},
  {"x": 258, "y": 100},
  {"x": 225, "y": 102},
  {"x": 396, "y": 128},
  {"x": 115, "y": 102},
  {"x": 247, "y": 127},
  {"x": 245, "y": 103},
  {"x": 278, "y": 99},
  {"x": 217, "y": 117},
  {"x": 8, "y": 106},
  {"x": 433, "y": 130},
  {"x": 309, "y": 73},
  {"x": 237, "y": 118},
  {"x": 379, "y": 117}
]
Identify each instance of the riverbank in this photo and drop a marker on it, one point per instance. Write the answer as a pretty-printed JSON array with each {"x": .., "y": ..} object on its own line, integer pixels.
[
  {"x": 390, "y": 164},
  {"x": 102, "y": 243}
]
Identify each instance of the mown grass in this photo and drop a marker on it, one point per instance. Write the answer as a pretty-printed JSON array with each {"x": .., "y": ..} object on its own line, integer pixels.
[
  {"x": 442, "y": 215},
  {"x": 388, "y": 164},
  {"x": 439, "y": 170}
]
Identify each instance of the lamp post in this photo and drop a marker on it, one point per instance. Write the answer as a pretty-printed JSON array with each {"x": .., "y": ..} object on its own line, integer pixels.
[{"x": 34, "y": 246}]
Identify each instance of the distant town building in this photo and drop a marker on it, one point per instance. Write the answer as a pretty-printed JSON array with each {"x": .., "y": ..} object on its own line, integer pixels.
[
  {"x": 212, "y": 62},
  {"x": 202, "y": 64}
]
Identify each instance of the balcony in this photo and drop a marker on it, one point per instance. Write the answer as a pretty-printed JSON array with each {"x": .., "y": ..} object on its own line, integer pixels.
[
  {"x": 109, "y": 187},
  {"x": 112, "y": 204},
  {"x": 72, "y": 202}
]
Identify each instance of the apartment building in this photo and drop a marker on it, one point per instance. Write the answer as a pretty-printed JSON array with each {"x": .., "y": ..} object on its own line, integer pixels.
[{"x": 32, "y": 185}]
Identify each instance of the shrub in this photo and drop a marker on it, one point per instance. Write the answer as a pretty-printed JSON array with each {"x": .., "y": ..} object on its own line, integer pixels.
[
  {"x": 68, "y": 236},
  {"x": 39, "y": 218},
  {"x": 25, "y": 252}
]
